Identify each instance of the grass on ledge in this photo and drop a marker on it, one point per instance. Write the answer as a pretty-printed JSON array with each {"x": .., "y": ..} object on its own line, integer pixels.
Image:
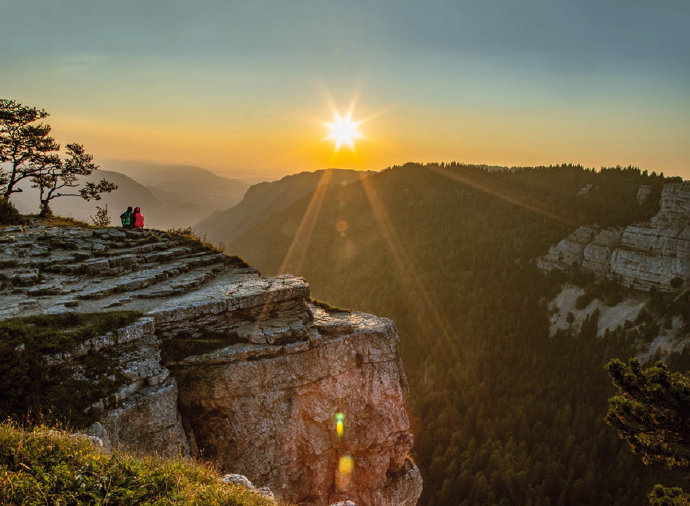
[
  {"x": 199, "y": 242},
  {"x": 29, "y": 385},
  {"x": 57, "y": 221},
  {"x": 328, "y": 308},
  {"x": 60, "y": 332},
  {"x": 193, "y": 239},
  {"x": 43, "y": 466}
]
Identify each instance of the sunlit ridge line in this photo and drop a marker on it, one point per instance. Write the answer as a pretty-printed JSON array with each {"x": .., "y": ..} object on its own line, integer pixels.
[{"x": 501, "y": 195}]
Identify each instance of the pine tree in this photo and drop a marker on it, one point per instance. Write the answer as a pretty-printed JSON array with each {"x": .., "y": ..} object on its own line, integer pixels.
[{"x": 652, "y": 414}]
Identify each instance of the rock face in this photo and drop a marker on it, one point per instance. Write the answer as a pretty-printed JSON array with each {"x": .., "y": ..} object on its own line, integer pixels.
[
  {"x": 643, "y": 255},
  {"x": 273, "y": 412},
  {"x": 224, "y": 363},
  {"x": 141, "y": 412}
]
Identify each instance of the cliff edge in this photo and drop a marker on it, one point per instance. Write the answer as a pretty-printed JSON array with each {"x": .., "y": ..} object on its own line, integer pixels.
[
  {"x": 643, "y": 255},
  {"x": 223, "y": 363}
]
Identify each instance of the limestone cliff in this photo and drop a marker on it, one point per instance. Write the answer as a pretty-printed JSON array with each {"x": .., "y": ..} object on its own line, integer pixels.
[
  {"x": 642, "y": 255},
  {"x": 141, "y": 412},
  {"x": 225, "y": 364}
]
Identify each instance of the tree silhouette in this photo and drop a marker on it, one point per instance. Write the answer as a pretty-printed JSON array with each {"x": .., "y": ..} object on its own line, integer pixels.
[
  {"x": 24, "y": 145},
  {"x": 61, "y": 178},
  {"x": 31, "y": 153}
]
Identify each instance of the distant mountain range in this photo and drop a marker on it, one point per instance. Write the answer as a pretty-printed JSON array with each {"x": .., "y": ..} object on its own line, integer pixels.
[
  {"x": 264, "y": 199},
  {"x": 169, "y": 195},
  {"x": 184, "y": 183}
]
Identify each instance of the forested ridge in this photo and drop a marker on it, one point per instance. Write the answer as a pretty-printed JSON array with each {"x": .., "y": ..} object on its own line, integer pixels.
[{"x": 502, "y": 412}]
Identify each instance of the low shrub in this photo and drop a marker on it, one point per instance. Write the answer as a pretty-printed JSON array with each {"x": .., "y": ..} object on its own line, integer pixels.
[
  {"x": 193, "y": 239},
  {"x": 9, "y": 214},
  {"x": 327, "y": 307}
]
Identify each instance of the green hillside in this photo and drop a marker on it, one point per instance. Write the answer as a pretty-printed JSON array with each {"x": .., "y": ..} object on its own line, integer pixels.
[
  {"x": 263, "y": 199},
  {"x": 502, "y": 412}
]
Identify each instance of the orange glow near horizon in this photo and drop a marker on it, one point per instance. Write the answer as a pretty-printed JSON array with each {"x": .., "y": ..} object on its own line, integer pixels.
[
  {"x": 271, "y": 144},
  {"x": 251, "y": 100}
]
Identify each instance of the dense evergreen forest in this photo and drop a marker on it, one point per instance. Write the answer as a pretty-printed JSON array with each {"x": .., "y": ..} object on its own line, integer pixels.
[{"x": 502, "y": 413}]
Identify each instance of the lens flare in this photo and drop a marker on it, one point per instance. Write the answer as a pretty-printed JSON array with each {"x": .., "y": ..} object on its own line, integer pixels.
[
  {"x": 297, "y": 252},
  {"x": 343, "y": 474},
  {"x": 346, "y": 465},
  {"x": 341, "y": 226},
  {"x": 340, "y": 424}
]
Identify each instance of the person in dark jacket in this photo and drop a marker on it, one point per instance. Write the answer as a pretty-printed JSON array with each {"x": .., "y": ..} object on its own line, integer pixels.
[
  {"x": 138, "y": 218},
  {"x": 126, "y": 218}
]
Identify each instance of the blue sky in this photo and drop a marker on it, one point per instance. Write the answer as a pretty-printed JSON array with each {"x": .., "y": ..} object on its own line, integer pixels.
[{"x": 240, "y": 87}]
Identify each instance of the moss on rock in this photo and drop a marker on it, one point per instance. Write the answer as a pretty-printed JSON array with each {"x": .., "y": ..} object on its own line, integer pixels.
[{"x": 30, "y": 386}]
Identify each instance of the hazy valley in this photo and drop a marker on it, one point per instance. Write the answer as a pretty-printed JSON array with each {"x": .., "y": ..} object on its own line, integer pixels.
[{"x": 171, "y": 196}]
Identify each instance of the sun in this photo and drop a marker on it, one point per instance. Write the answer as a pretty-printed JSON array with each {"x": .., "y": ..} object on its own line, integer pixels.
[{"x": 343, "y": 131}]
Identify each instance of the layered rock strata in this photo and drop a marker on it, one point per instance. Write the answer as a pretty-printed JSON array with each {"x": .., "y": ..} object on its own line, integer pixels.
[
  {"x": 642, "y": 256},
  {"x": 58, "y": 269},
  {"x": 140, "y": 412},
  {"x": 225, "y": 364}
]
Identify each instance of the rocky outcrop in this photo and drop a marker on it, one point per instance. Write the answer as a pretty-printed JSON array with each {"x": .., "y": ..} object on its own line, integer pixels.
[
  {"x": 148, "y": 422},
  {"x": 139, "y": 409},
  {"x": 240, "y": 479},
  {"x": 224, "y": 364},
  {"x": 272, "y": 412},
  {"x": 642, "y": 256},
  {"x": 59, "y": 269}
]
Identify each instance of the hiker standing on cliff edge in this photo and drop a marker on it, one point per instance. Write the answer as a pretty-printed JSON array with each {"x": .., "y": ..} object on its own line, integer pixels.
[{"x": 137, "y": 218}]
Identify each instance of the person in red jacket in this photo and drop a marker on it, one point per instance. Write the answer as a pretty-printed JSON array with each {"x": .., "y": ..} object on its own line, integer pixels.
[{"x": 138, "y": 218}]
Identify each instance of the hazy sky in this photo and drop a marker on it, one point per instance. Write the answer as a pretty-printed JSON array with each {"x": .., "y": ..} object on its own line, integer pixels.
[{"x": 244, "y": 87}]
